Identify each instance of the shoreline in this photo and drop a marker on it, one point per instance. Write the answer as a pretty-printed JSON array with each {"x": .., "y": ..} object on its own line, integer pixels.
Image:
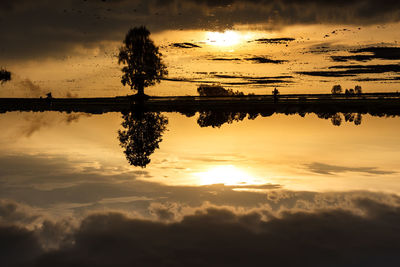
[{"x": 368, "y": 103}]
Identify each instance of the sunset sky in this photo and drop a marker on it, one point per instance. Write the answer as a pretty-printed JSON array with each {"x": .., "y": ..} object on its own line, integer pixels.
[{"x": 69, "y": 48}]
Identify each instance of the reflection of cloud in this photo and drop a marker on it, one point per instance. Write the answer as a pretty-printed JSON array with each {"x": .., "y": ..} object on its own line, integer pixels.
[
  {"x": 36, "y": 122},
  {"x": 220, "y": 236},
  {"x": 322, "y": 168}
]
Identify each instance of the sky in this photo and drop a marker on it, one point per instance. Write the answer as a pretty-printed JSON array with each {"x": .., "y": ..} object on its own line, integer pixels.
[{"x": 69, "y": 48}]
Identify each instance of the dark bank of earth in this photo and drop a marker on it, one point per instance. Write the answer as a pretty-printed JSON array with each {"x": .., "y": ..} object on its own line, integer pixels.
[{"x": 371, "y": 103}]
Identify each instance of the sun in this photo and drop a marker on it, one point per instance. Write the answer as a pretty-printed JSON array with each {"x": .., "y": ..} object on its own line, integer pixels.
[
  {"x": 225, "y": 174},
  {"x": 226, "y": 38}
]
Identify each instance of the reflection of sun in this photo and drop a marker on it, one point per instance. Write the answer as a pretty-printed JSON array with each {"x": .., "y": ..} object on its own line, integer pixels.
[
  {"x": 227, "y": 38},
  {"x": 226, "y": 174}
]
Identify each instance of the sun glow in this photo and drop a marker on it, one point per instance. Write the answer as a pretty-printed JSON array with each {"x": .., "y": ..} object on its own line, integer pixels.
[
  {"x": 227, "y": 38},
  {"x": 226, "y": 174}
]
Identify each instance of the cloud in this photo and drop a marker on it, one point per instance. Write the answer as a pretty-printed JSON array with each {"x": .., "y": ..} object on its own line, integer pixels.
[
  {"x": 284, "y": 40},
  {"x": 12, "y": 213},
  {"x": 220, "y": 236},
  {"x": 353, "y": 70},
  {"x": 387, "y": 53},
  {"x": 265, "y": 60},
  {"x": 252, "y": 59},
  {"x": 19, "y": 245},
  {"x": 34, "y": 90},
  {"x": 185, "y": 45},
  {"x": 45, "y": 29},
  {"x": 224, "y": 79},
  {"x": 321, "y": 168}
]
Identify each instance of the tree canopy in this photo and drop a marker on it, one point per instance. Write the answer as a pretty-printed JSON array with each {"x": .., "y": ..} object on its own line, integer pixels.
[
  {"x": 142, "y": 59},
  {"x": 4, "y": 75}
]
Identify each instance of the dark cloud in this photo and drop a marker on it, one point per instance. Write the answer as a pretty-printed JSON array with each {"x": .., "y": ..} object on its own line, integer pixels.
[
  {"x": 18, "y": 246},
  {"x": 388, "y": 53},
  {"x": 185, "y": 45},
  {"x": 252, "y": 59},
  {"x": 353, "y": 70},
  {"x": 265, "y": 60},
  {"x": 47, "y": 29},
  {"x": 322, "y": 168},
  {"x": 396, "y": 78},
  {"x": 284, "y": 40},
  {"x": 252, "y": 80},
  {"x": 227, "y": 80},
  {"x": 222, "y": 237},
  {"x": 226, "y": 59}
]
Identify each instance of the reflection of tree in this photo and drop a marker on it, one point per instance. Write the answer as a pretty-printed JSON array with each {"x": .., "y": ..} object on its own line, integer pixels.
[
  {"x": 218, "y": 118},
  {"x": 336, "y": 118},
  {"x": 141, "y": 135},
  {"x": 358, "y": 119}
]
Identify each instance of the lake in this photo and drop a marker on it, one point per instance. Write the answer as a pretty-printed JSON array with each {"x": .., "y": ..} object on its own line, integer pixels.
[{"x": 61, "y": 174}]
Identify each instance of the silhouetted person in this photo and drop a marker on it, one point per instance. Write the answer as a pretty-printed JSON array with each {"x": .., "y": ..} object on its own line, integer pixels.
[
  {"x": 142, "y": 60},
  {"x": 141, "y": 135},
  {"x": 275, "y": 92}
]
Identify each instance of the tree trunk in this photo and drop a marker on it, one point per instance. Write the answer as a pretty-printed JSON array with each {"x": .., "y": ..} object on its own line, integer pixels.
[{"x": 140, "y": 90}]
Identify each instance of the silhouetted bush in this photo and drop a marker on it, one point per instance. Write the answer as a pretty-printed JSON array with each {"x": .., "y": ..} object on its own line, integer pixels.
[
  {"x": 336, "y": 89},
  {"x": 216, "y": 90}
]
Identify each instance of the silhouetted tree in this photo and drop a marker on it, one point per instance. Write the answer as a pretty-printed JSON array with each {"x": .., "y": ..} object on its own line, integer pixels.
[
  {"x": 144, "y": 66},
  {"x": 141, "y": 135},
  {"x": 4, "y": 75},
  {"x": 336, "y": 89},
  {"x": 358, "y": 90}
]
